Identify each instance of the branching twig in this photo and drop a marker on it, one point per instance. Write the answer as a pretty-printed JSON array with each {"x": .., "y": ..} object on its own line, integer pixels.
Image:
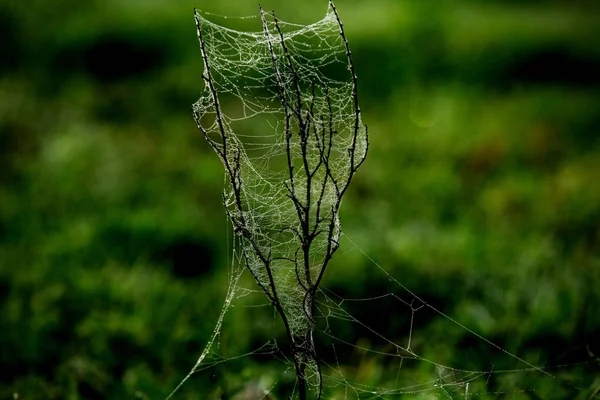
[{"x": 311, "y": 143}]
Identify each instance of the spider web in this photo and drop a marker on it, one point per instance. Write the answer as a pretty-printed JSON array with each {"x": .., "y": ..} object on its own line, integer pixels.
[{"x": 399, "y": 363}]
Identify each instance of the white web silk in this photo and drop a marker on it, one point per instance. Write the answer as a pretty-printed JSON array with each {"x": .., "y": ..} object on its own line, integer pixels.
[
  {"x": 260, "y": 87},
  {"x": 280, "y": 109}
]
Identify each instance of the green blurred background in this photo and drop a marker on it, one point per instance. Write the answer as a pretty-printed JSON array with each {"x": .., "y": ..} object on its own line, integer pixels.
[{"x": 481, "y": 193}]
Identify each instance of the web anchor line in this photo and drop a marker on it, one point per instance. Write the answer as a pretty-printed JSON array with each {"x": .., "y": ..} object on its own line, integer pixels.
[
  {"x": 280, "y": 110},
  {"x": 454, "y": 321}
]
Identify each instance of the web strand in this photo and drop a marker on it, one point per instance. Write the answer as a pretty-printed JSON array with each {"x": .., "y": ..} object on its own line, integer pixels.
[{"x": 280, "y": 110}]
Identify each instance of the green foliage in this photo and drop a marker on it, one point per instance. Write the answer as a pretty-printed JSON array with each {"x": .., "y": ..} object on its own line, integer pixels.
[{"x": 480, "y": 192}]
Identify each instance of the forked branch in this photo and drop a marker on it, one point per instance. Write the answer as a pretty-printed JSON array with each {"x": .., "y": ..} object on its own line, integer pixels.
[{"x": 324, "y": 147}]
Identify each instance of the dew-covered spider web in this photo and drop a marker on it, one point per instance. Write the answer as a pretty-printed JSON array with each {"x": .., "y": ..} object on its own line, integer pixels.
[{"x": 279, "y": 108}]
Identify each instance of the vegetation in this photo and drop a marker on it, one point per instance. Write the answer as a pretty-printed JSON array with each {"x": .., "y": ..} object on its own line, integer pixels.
[{"x": 480, "y": 194}]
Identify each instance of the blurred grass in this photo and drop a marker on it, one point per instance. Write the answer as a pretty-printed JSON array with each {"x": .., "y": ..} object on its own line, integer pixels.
[{"x": 480, "y": 192}]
